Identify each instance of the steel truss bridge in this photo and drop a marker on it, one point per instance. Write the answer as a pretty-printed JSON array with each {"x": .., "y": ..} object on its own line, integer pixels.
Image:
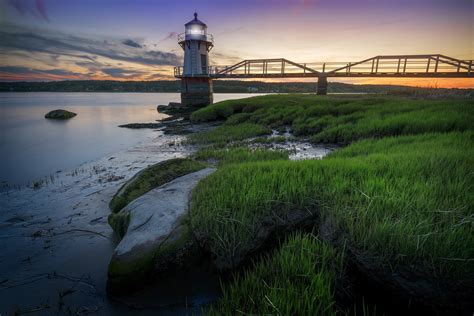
[
  {"x": 389, "y": 66},
  {"x": 413, "y": 66}
]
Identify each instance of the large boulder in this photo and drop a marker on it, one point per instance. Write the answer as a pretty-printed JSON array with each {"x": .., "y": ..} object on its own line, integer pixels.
[
  {"x": 157, "y": 237},
  {"x": 60, "y": 115}
]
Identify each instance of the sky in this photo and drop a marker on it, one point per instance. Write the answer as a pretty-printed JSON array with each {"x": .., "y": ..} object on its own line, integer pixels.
[{"x": 43, "y": 40}]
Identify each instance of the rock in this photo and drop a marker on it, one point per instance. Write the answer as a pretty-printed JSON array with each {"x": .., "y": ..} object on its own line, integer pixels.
[
  {"x": 60, "y": 115},
  {"x": 175, "y": 104},
  {"x": 170, "y": 107},
  {"x": 142, "y": 125},
  {"x": 176, "y": 109},
  {"x": 157, "y": 237}
]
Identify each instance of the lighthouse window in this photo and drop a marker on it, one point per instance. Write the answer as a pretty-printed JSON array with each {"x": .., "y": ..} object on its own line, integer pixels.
[
  {"x": 204, "y": 63},
  {"x": 195, "y": 30}
]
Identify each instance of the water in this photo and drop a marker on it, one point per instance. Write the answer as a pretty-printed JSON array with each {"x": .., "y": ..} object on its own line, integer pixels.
[
  {"x": 32, "y": 146},
  {"x": 55, "y": 240}
]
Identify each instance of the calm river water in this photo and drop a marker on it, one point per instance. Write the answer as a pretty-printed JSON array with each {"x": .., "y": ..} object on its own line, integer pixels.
[
  {"x": 55, "y": 240},
  {"x": 32, "y": 147}
]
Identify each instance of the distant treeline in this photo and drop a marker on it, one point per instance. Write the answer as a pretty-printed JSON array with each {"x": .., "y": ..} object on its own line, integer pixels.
[{"x": 220, "y": 86}]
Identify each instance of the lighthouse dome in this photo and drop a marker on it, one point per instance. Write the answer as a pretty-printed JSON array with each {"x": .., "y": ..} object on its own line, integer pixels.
[
  {"x": 196, "y": 29},
  {"x": 196, "y": 21}
]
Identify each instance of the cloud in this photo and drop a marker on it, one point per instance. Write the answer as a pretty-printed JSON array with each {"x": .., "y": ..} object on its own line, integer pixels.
[
  {"x": 41, "y": 9},
  {"x": 157, "y": 76},
  {"x": 15, "y": 73},
  {"x": 171, "y": 35},
  {"x": 220, "y": 58},
  {"x": 131, "y": 43},
  {"x": 19, "y": 39},
  {"x": 60, "y": 72},
  {"x": 25, "y": 6},
  {"x": 117, "y": 72},
  {"x": 26, "y": 70}
]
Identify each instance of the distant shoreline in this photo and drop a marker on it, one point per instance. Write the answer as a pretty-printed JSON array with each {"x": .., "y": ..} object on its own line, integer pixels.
[{"x": 220, "y": 86}]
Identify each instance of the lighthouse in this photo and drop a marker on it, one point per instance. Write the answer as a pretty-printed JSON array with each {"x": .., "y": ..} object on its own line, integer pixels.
[{"x": 196, "y": 85}]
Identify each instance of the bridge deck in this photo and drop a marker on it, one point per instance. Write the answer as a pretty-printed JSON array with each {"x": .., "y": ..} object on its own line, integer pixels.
[{"x": 413, "y": 66}]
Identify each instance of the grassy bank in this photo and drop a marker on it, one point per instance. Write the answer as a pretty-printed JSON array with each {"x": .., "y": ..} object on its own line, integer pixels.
[
  {"x": 238, "y": 155},
  {"x": 399, "y": 193},
  {"x": 297, "y": 279},
  {"x": 342, "y": 120},
  {"x": 403, "y": 199}
]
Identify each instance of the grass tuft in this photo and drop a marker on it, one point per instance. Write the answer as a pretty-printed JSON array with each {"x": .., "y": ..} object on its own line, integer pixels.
[
  {"x": 228, "y": 133},
  {"x": 239, "y": 154},
  {"x": 297, "y": 279}
]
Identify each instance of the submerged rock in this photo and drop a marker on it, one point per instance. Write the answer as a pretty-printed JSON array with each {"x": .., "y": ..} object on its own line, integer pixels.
[
  {"x": 60, "y": 114},
  {"x": 156, "y": 234},
  {"x": 142, "y": 125}
]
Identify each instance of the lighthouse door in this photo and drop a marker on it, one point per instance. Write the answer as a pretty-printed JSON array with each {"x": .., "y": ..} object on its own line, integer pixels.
[{"x": 204, "y": 63}]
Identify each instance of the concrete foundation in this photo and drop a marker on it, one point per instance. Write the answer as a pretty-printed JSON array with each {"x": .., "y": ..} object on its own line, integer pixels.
[
  {"x": 196, "y": 91},
  {"x": 322, "y": 85}
]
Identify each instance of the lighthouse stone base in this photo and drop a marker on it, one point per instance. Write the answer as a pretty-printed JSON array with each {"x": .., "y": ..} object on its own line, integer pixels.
[{"x": 196, "y": 91}]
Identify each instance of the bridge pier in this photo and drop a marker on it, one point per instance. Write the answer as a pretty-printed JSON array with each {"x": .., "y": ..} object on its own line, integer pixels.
[
  {"x": 196, "y": 91},
  {"x": 322, "y": 85}
]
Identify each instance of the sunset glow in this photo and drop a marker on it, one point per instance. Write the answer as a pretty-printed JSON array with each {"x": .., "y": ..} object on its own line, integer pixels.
[{"x": 137, "y": 40}]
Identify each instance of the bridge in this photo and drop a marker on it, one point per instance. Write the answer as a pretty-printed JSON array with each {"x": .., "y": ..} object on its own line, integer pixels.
[{"x": 385, "y": 66}]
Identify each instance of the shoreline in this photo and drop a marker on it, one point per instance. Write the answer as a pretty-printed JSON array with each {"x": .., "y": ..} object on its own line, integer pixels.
[
  {"x": 56, "y": 236},
  {"x": 45, "y": 180},
  {"x": 75, "y": 204},
  {"x": 360, "y": 161}
]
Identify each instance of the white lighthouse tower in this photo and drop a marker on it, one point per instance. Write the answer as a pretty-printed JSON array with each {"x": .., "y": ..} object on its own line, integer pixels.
[
  {"x": 196, "y": 85},
  {"x": 196, "y": 44}
]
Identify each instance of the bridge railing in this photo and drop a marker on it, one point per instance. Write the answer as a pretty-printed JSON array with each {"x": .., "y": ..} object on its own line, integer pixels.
[
  {"x": 397, "y": 65},
  {"x": 405, "y": 64},
  {"x": 263, "y": 67}
]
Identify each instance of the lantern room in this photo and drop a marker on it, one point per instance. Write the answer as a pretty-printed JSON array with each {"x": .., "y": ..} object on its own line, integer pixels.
[
  {"x": 195, "y": 29},
  {"x": 196, "y": 44}
]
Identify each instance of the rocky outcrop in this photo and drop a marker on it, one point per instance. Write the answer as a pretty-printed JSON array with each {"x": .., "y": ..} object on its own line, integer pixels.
[
  {"x": 177, "y": 110},
  {"x": 177, "y": 123},
  {"x": 157, "y": 237},
  {"x": 60, "y": 115},
  {"x": 142, "y": 125}
]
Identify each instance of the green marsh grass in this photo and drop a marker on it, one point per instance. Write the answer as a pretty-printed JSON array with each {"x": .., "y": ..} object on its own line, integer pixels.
[
  {"x": 336, "y": 119},
  {"x": 296, "y": 279},
  {"x": 400, "y": 192},
  {"x": 239, "y": 154},
  {"x": 404, "y": 200}
]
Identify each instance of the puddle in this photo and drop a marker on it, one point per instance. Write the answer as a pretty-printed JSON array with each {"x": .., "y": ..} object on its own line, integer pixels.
[{"x": 298, "y": 150}]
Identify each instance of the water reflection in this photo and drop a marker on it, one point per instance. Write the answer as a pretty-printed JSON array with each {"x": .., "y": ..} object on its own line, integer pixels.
[{"x": 32, "y": 147}]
